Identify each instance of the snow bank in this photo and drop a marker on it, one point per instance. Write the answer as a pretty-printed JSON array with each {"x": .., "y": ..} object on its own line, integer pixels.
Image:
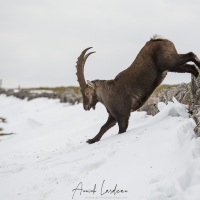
[{"x": 47, "y": 158}]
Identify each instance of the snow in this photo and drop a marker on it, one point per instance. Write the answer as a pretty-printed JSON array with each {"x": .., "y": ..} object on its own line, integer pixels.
[{"x": 47, "y": 158}]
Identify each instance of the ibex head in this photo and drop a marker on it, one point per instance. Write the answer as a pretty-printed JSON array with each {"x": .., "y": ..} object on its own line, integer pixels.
[{"x": 87, "y": 89}]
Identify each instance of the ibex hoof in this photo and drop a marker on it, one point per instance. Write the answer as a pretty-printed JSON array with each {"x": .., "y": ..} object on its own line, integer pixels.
[{"x": 91, "y": 141}]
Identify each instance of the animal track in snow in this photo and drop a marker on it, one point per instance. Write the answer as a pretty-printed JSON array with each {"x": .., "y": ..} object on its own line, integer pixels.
[
  {"x": 93, "y": 165},
  {"x": 10, "y": 169}
]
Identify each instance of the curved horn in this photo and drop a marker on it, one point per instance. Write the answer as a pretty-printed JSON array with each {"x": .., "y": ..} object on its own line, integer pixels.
[{"x": 80, "y": 69}]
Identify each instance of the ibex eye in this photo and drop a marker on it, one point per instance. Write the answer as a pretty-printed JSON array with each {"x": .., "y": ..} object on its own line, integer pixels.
[{"x": 87, "y": 93}]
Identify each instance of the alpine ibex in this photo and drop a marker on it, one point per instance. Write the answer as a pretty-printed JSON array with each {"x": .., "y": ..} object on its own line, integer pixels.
[{"x": 129, "y": 90}]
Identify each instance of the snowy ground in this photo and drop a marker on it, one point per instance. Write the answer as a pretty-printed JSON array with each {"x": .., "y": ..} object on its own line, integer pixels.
[{"x": 158, "y": 158}]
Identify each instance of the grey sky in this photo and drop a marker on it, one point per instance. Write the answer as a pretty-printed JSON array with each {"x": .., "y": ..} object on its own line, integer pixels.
[{"x": 40, "y": 40}]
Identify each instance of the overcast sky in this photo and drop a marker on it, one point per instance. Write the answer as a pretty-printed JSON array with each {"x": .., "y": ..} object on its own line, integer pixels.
[{"x": 40, "y": 40}]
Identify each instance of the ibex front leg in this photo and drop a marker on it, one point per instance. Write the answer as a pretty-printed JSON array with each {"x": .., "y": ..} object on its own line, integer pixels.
[
  {"x": 110, "y": 123},
  {"x": 123, "y": 124}
]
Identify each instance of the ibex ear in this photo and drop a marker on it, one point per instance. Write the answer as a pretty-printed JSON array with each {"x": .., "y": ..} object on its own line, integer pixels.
[{"x": 90, "y": 84}]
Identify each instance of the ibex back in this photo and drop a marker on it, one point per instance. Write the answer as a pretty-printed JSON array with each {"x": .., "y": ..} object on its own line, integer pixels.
[{"x": 129, "y": 90}]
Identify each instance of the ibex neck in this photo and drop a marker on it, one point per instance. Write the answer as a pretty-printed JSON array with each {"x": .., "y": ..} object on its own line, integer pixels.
[{"x": 98, "y": 83}]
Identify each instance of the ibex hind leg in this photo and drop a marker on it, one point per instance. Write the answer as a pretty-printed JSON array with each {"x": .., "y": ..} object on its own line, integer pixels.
[
  {"x": 179, "y": 63},
  {"x": 196, "y": 60},
  {"x": 184, "y": 58},
  {"x": 187, "y": 68}
]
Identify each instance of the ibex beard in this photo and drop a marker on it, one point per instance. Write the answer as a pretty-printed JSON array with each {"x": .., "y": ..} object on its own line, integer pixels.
[{"x": 130, "y": 89}]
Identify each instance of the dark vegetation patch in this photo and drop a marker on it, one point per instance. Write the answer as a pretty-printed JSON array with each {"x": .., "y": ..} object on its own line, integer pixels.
[
  {"x": 3, "y": 120},
  {"x": 77, "y": 89},
  {"x": 164, "y": 86},
  {"x": 58, "y": 89},
  {"x": 5, "y": 134}
]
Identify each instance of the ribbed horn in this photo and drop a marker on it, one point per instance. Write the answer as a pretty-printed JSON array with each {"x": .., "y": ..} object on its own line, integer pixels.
[{"x": 80, "y": 69}]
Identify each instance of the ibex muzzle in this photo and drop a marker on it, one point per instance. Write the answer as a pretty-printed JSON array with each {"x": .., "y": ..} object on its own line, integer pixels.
[{"x": 130, "y": 89}]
